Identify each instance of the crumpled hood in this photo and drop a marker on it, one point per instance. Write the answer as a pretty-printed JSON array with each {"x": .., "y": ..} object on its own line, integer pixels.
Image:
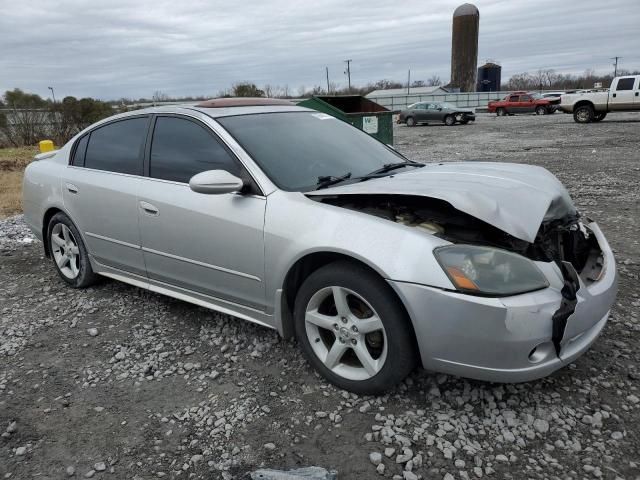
[{"x": 512, "y": 197}]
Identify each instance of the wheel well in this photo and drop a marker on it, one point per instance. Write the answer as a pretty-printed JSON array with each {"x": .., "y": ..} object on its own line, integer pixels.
[
  {"x": 304, "y": 267},
  {"x": 45, "y": 225},
  {"x": 583, "y": 103}
]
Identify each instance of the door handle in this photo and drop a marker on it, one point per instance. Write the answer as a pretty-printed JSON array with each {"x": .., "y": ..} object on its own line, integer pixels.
[
  {"x": 149, "y": 209},
  {"x": 637, "y": 94},
  {"x": 72, "y": 188},
  {"x": 614, "y": 95}
]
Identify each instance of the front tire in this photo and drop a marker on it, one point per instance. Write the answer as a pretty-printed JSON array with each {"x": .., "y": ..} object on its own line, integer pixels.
[
  {"x": 411, "y": 122},
  {"x": 540, "y": 110},
  {"x": 583, "y": 114},
  {"x": 501, "y": 112},
  {"x": 353, "y": 329},
  {"x": 449, "y": 120},
  {"x": 69, "y": 253}
]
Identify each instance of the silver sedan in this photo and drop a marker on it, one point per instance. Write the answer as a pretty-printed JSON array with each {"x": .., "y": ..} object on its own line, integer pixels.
[{"x": 297, "y": 221}]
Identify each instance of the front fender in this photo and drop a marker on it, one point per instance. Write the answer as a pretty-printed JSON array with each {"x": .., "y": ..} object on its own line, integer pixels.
[{"x": 296, "y": 226}]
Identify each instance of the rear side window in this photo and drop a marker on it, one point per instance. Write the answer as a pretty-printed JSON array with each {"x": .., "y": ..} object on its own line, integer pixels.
[
  {"x": 81, "y": 148},
  {"x": 514, "y": 98},
  {"x": 118, "y": 147},
  {"x": 182, "y": 148},
  {"x": 625, "y": 84}
]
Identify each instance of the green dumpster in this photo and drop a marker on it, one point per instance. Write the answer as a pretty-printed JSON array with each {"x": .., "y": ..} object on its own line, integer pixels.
[{"x": 359, "y": 111}]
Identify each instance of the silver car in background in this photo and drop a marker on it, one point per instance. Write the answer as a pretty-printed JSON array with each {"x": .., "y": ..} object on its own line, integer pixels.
[
  {"x": 436, "y": 112},
  {"x": 297, "y": 221}
]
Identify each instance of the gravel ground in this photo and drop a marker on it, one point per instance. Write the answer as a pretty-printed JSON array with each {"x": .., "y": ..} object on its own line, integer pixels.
[{"x": 117, "y": 382}]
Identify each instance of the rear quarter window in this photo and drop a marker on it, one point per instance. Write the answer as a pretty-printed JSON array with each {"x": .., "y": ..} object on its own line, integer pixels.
[
  {"x": 118, "y": 146},
  {"x": 78, "y": 153}
]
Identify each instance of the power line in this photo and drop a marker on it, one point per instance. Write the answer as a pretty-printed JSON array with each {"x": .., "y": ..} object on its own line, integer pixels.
[
  {"x": 348, "y": 72},
  {"x": 328, "y": 85},
  {"x": 615, "y": 66}
]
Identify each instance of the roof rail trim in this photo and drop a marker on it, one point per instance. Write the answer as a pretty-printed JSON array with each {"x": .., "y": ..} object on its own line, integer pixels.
[{"x": 243, "y": 102}]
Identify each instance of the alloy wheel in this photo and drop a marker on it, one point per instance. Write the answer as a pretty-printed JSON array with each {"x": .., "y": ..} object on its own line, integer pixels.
[
  {"x": 583, "y": 115},
  {"x": 65, "y": 251},
  {"x": 346, "y": 333}
]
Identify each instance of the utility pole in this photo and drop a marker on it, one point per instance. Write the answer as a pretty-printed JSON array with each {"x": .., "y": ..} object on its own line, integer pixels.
[
  {"x": 348, "y": 72},
  {"x": 328, "y": 87},
  {"x": 408, "y": 81},
  {"x": 52, "y": 94},
  {"x": 615, "y": 66}
]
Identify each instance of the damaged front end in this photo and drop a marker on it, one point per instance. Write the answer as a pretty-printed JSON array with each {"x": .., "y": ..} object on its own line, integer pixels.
[
  {"x": 559, "y": 240},
  {"x": 565, "y": 241}
]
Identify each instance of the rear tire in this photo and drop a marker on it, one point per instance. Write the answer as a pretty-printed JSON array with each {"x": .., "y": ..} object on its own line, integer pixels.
[
  {"x": 68, "y": 252},
  {"x": 501, "y": 112},
  {"x": 540, "y": 110},
  {"x": 411, "y": 122},
  {"x": 344, "y": 312},
  {"x": 598, "y": 117},
  {"x": 449, "y": 120},
  {"x": 583, "y": 114}
]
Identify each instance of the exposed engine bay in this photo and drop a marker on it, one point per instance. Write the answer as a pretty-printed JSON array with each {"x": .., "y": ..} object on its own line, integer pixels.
[{"x": 560, "y": 240}]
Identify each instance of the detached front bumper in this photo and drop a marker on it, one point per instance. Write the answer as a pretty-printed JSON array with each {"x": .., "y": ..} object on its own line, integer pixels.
[{"x": 508, "y": 339}]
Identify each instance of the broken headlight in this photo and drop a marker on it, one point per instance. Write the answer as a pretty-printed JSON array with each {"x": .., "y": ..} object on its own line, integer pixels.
[{"x": 489, "y": 271}]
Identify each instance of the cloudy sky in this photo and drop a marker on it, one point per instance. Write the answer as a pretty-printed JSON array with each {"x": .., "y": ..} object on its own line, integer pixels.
[{"x": 122, "y": 48}]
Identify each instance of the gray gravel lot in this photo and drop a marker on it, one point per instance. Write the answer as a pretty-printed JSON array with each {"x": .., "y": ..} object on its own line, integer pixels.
[{"x": 117, "y": 382}]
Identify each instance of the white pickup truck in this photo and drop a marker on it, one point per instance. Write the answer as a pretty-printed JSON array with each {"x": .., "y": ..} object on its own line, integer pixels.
[{"x": 623, "y": 96}]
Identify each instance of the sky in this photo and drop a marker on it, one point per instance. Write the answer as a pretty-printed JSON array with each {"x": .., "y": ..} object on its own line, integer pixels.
[{"x": 111, "y": 49}]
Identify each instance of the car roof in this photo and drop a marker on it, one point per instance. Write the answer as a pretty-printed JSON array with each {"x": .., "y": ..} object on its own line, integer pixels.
[{"x": 227, "y": 111}]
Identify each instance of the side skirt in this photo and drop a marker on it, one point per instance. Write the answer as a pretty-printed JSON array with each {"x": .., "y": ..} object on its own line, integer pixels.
[{"x": 212, "y": 303}]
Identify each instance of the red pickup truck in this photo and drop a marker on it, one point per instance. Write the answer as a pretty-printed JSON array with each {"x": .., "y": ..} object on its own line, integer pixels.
[{"x": 523, "y": 102}]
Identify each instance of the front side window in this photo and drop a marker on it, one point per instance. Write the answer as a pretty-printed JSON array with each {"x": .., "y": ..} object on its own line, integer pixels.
[
  {"x": 625, "y": 84},
  {"x": 525, "y": 98},
  {"x": 117, "y": 147},
  {"x": 181, "y": 148},
  {"x": 296, "y": 149},
  {"x": 514, "y": 98}
]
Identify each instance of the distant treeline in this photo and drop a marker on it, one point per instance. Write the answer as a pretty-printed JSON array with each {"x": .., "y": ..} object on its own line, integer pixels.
[
  {"x": 26, "y": 118},
  {"x": 552, "y": 80}
]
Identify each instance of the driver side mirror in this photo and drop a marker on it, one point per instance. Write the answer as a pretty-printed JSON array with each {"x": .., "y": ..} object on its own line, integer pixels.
[{"x": 215, "y": 182}]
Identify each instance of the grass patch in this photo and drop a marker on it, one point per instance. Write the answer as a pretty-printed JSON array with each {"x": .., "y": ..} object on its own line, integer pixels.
[{"x": 12, "y": 164}]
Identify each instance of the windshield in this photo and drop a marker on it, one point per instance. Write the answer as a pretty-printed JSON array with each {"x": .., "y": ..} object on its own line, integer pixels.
[
  {"x": 449, "y": 106},
  {"x": 537, "y": 96},
  {"x": 295, "y": 149}
]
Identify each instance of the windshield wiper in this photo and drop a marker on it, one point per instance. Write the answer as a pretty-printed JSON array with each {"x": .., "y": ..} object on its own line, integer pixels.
[
  {"x": 387, "y": 167},
  {"x": 328, "y": 180}
]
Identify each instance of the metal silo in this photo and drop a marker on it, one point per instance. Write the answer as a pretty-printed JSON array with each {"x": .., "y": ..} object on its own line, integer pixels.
[
  {"x": 464, "y": 47},
  {"x": 489, "y": 77}
]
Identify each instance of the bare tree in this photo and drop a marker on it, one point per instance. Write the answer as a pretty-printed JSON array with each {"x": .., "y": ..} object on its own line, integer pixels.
[
  {"x": 159, "y": 96},
  {"x": 434, "y": 81},
  {"x": 269, "y": 90},
  {"x": 26, "y": 119}
]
